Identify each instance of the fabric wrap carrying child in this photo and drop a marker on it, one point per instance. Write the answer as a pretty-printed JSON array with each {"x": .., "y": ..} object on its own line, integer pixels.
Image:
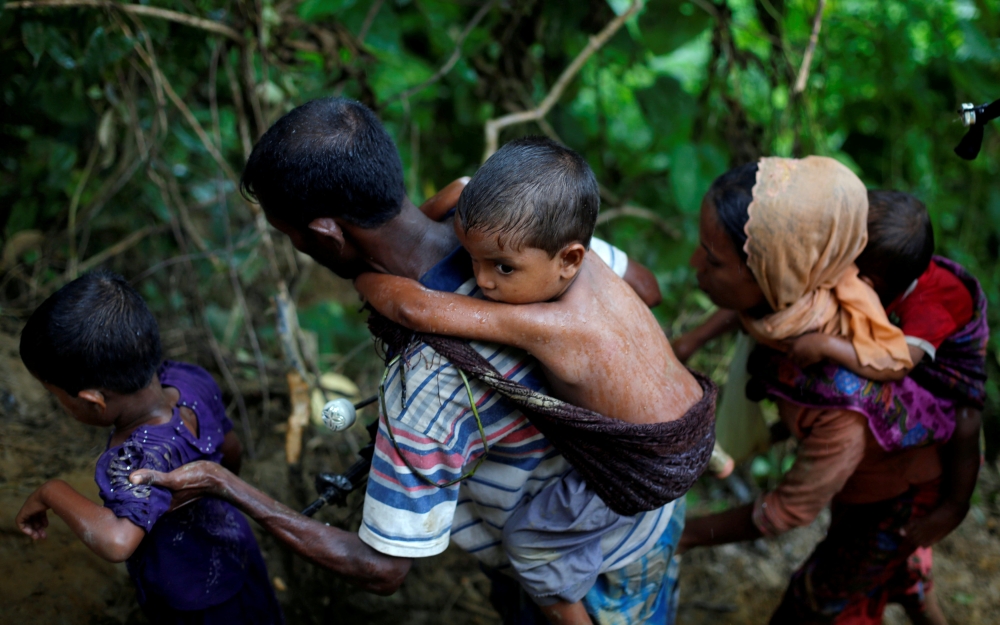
[
  {"x": 526, "y": 220},
  {"x": 95, "y": 346}
]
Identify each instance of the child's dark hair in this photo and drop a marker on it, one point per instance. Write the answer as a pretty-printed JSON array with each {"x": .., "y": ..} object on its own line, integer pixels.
[
  {"x": 900, "y": 242},
  {"x": 326, "y": 158},
  {"x": 731, "y": 194},
  {"x": 534, "y": 192},
  {"x": 95, "y": 332}
]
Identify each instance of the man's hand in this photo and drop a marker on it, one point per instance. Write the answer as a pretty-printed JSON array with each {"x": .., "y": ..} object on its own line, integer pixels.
[
  {"x": 189, "y": 482},
  {"x": 809, "y": 349},
  {"x": 33, "y": 517},
  {"x": 940, "y": 522}
]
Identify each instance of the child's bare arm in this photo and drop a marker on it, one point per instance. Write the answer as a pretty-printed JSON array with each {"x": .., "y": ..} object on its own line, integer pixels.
[
  {"x": 410, "y": 304},
  {"x": 811, "y": 348},
  {"x": 232, "y": 452},
  {"x": 644, "y": 283},
  {"x": 721, "y": 322},
  {"x": 960, "y": 457},
  {"x": 438, "y": 205},
  {"x": 107, "y": 535}
]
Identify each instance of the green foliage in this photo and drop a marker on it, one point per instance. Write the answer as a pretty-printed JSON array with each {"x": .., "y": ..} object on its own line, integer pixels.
[{"x": 685, "y": 91}]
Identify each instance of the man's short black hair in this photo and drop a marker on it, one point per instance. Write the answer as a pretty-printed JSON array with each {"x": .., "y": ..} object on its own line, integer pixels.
[
  {"x": 731, "y": 194},
  {"x": 534, "y": 192},
  {"x": 95, "y": 332},
  {"x": 900, "y": 242},
  {"x": 326, "y": 158}
]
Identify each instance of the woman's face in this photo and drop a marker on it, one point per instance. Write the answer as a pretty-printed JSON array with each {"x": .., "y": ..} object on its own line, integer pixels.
[{"x": 722, "y": 274}]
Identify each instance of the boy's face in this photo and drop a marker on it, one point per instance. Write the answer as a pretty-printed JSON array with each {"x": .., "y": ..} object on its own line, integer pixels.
[
  {"x": 519, "y": 276},
  {"x": 80, "y": 407}
]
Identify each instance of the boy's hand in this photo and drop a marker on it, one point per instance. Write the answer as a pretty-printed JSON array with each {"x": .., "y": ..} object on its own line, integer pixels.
[
  {"x": 940, "y": 522},
  {"x": 32, "y": 519},
  {"x": 808, "y": 349}
]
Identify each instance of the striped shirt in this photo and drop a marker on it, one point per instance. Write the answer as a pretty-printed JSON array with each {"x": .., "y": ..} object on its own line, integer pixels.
[{"x": 437, "y": 433}]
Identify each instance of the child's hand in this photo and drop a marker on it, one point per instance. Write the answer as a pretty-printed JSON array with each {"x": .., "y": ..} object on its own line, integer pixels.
[
  {"x": 32, "y": 519},
  {"x": 808, "y": 349},
  {"x": 940, "y": 522}
]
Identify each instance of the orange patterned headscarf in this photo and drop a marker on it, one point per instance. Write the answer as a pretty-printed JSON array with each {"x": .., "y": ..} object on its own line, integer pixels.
[{"x": 807, "y": 223}]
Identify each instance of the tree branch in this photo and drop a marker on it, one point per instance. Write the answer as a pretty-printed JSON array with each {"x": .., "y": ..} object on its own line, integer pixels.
[
  {"x": 494, "y": 126},
  {"x": 450, "y": 63},
  {"x": 135, "y": 9},
  {"x": 800, "y": 82},
  {"x": 640, "y": 213}
]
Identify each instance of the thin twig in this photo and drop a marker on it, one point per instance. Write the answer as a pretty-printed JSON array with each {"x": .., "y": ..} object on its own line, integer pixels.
[
  {"x": 74, "y": 204},
  {"x": 369, "y": 20},
  {"x": 494, "y": 126},
  {"x": 639, "y": 213},
  {"x": 450, "y": 63},
  {"x": 135, "y": 9},
  {"x": 800, "y": 82}
]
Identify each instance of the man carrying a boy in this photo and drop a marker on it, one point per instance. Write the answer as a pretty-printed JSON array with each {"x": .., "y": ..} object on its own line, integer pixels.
[{"x": 328, "y": 175}]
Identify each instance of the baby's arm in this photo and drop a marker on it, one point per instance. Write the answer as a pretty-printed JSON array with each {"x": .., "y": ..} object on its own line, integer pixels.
[
  {"x": 811, "y": 348},
  {"x": 410, "y": 304},
  {"x": 438, "y": 205},
  {"x": 721, "y": 322},
  {"x": 960, "y": 457},
  {"x": 107, "y": 535}
]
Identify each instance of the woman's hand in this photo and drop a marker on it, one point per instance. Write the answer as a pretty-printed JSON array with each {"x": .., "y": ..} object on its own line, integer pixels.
[
  {"x": 33, "y": 517},
  {"x": 809, "y": 349},
  {"x": 937, "y": 524},
  {"x": 189, "y": 482}
]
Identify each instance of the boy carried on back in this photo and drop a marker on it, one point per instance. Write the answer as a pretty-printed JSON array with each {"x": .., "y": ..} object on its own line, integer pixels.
[{"x": 526, "y": 220}]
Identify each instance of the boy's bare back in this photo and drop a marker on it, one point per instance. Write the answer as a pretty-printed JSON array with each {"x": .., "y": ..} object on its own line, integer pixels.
[
  {"x": 600, "y": 346},
  {"x": 603, "y": 349}
]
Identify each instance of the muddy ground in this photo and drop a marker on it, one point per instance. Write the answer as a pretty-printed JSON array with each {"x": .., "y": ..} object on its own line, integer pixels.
[{"x": 58, "y": 581}]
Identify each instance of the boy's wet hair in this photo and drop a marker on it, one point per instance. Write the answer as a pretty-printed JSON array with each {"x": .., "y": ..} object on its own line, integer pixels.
[
  {"x": 731, "y": 194},
  {"x": 532, "y": 192},
  {"x": 326, "y": 158},
  {"x": 94, "y": 333},
  {"x": 900, "y": 242}
]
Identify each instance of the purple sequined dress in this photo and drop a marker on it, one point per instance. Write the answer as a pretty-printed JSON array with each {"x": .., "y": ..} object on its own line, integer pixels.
[{"x": 201, "y": 562}]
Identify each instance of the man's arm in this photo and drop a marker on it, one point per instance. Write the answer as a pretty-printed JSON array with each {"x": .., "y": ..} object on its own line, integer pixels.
[
  {"x": 332, "y": 548},
  {"x": 811, "y": 348},
  {"x": 107, "y": 535},
  {"x": 410, "y": 304},
  {"x": 644, "y": 283},
  {"x": 438, "y": 205}
]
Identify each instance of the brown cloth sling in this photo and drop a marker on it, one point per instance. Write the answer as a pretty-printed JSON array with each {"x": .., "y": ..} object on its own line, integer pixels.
[{"x": 632, "y": 467}]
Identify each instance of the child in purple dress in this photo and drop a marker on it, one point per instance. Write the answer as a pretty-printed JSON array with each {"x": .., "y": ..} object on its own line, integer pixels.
[{"x": 96, "y": 347}]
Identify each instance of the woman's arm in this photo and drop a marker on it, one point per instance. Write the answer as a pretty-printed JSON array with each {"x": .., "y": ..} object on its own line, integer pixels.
[
  {"x": 332, "y": 548},
  {"x": 721, "y": 322},
  {"x": 811, "y": 348},
  {"x": 438, "y": 205},
  {"x": 410, "y": 304},
  {"x": 960, "y": 459},
  {"x": 107, "y": 535}
]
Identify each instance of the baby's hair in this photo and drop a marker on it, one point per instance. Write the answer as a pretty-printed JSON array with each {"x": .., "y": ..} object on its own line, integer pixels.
[
  {"x": 534, "y": 192},
  {"x": 900, "y": 242},
  {"x": 731, "y": 194},
  {"x": 95, "y": 332}
]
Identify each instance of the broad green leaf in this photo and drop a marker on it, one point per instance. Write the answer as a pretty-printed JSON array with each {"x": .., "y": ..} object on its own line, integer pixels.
[{"x": 35, "y": 39}]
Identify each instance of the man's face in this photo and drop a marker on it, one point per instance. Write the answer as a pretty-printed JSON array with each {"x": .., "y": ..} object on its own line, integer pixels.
[{"x": 339, "y": 256}]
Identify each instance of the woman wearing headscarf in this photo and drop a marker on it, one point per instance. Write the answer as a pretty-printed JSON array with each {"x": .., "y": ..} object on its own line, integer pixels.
[{"x": 778, "y": 244}]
